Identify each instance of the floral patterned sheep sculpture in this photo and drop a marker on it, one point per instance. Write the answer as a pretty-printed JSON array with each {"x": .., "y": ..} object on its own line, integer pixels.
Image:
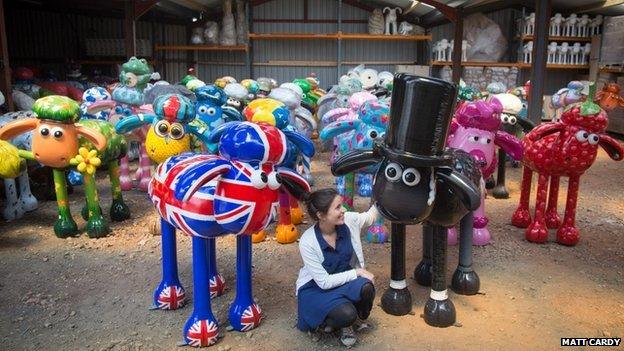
[
  {"x": 59, "y": 142},
  {"x": 360, "y": 134}
]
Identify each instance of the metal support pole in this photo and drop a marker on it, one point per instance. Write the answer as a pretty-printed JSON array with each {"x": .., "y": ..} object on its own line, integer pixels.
[
  {"x": 130, "y": 29},
  {"x": 538, "y": 67},
  {"x": 5, "y": 77},
  {"x": 457, "y": 46},
  {"x": 339, "y": 43},
  {"x": 248, "y": 57}
]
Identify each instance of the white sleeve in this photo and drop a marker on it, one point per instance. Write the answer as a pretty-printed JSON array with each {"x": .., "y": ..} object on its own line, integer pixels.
[
  {"x": 313, "y": 264},
  {"x": 364, "y": 219}
]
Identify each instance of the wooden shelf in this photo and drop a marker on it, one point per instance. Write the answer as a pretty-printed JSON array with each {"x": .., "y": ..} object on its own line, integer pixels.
[
  {"x": 297, "y": 63},
  {"x": 358, "y": 36},
  {"x": 346, "y": 36},
  {"x": 287, "y": 36},
  {"x": 508, "y": 64},
  {"x": 200, "y": 48},
  {"x": 530, "y": 37},
  {"x": 612, "y": 69},
  {"x": 476, "y": 63},
  {"x": 379, "y": 63}
]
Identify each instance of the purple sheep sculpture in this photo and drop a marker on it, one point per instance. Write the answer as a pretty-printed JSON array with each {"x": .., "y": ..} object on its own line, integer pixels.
[{"x": 475, "y": 129}]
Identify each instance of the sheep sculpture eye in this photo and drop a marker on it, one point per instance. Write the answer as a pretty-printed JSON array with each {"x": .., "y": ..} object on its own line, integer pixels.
[
  {"x": 411, "y": 177},
  {"x": 393, "y": 172}
]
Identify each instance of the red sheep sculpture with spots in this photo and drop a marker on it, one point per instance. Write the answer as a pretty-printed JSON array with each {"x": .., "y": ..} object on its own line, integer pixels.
[{"x": 561, "y": 149}]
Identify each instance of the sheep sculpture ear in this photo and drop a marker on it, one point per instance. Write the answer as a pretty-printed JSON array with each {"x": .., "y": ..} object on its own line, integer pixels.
[
  {"x": 386, "y": 8},
  {"x": 400, "y": 10},
  {"x": 13, "y": 129}
]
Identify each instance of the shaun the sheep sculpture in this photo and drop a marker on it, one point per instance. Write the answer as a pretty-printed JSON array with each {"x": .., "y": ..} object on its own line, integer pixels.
[{"x": 419, "y": 181}]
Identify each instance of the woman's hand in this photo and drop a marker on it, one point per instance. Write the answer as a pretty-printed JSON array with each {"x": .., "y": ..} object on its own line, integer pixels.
[{"x": 365, "y": 274}]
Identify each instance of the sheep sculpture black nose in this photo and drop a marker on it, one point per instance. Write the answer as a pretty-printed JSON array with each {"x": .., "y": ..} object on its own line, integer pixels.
[{"x": 421, "y": 181}]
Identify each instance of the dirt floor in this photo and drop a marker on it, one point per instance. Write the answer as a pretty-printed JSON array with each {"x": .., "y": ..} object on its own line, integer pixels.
[{"x": 86, "y": 294}]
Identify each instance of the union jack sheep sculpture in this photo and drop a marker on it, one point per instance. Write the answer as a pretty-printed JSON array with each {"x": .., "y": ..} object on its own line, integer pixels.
[{"x": 206, "y": 196}]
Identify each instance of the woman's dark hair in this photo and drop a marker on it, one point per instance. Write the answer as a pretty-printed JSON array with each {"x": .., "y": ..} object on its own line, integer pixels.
[{"x": 319, "y": 201}]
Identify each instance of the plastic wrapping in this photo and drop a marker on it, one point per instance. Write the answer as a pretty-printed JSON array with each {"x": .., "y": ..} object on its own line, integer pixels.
[{"x": 485, "y": 38}]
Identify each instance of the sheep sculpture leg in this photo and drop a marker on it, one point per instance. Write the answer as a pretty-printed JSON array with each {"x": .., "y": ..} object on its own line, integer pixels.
[
  {"x": 244, "y": 314},
  {"x": 552, "y": 218},
  {"x": 169, "y": 295},
  {"x": 202, "y": 328},
  {"x": 397, "y": 299}
]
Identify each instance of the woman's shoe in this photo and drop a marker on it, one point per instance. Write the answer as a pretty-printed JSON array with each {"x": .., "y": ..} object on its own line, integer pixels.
[{"x": 347, "y": 337}]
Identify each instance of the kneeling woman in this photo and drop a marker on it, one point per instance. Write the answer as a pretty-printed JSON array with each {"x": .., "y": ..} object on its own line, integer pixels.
[{"x": 333, "y": 288}]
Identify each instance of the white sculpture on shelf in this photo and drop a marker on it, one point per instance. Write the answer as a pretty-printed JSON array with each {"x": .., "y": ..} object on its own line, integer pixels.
[
  {"x": 555, "y": 25},
  {"x": 552, "y": 52},
  {"x": 581, "y": 26},
  {"x": 242, "y": 35},
  {"x": 529, "y": 24},
  {"x": 406, "y": 28},
  {"x": 594, "y": 25},
  {"x": 228, "y": 29},
  {"x": 449, "y": 51},
  {"x": 575, "y": 54},
  {"x": 464, "y": 50},
  {"x": 569, "y": 27},
  {"x": 562, "y": 53},
  {"x": 586, "y": 52},
  {"x": 442, "y": 49},
  {"x": 197, "y": 38},
  {"x": 376, "y": 22},
  {"x": 527, "y": 51},
  {"x": 391, "y": 19},
  {"x": 211, "y": 33}
]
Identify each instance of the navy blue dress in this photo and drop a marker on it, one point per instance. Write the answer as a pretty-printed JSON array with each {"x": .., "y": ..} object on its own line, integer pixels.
[{"x": 315, "y": 303}]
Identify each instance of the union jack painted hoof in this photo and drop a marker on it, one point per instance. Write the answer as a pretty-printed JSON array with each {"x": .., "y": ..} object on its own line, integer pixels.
[
  {"x": 217, "y": 286},
  {"x": 245, "y": 319},
  {"x": 169, "y": 297},
  {"x": 201, "y": 332}
]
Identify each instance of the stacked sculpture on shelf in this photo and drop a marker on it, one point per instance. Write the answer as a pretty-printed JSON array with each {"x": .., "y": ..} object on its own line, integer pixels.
[
  {"x": 378, "y": 24},
  {"x": 443, "y": 50},
  {"x": 562, "y": 54},
  {"x": 560, "y": 26}
]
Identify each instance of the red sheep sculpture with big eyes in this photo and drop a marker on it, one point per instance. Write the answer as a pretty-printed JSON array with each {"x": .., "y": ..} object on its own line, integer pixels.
[{"x": 561, "y": 149}]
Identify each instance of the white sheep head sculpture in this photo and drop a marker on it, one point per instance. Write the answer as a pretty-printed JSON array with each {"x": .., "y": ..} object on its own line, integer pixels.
[{"x": 391, "y": 19}]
